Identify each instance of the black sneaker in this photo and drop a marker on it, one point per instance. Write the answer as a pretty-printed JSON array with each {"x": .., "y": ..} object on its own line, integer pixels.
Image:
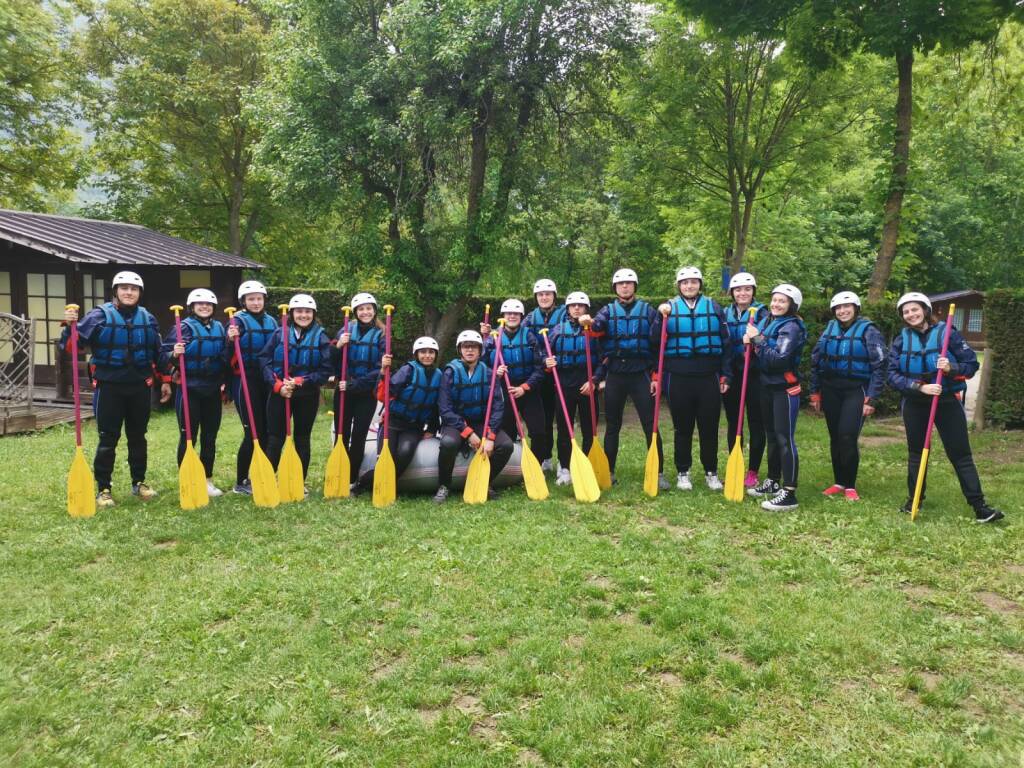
[
  {"x": 244, "y": 488},
  {"x": 491, "y": 494},
  {"x": 983, "y": 513},
  {"x": 783, "y": 500},
  {"x": 909, "y": 504},
  {"x": 442, "y": 495},
  {"x": 766, "y": 487}
]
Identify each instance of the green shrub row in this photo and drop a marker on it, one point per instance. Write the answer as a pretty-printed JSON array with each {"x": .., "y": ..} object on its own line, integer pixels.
[{"x": 1004, "y": 330}]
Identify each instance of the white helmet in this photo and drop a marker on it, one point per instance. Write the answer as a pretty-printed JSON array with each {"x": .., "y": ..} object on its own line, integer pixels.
[
  {"x": 513, "y": 305},
  {"x": 251, "y": 286},
  {"x": 625, "y": 276},
  {"x": 201, "y": 294},
  {"x": 126, "y": 278},
  {"x": 844, "y": 297},
  {"x": 577, "y": 297},
  {"x": 544, "y": 285},
  {"x": 425, "y": 342},
  {"x": 791, "y": 291},
  {"x": 914, "y": 296},
  {"x": 302, "y": 301},
  {"x": 469, "y": 337},
  {"x": 689, "y": 273},
  {"x": 740, "y": 279},
  {"x": 363, "y": 298}
]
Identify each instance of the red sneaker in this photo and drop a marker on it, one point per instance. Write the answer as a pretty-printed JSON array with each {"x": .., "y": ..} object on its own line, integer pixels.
[
  {"x": 851, "y": 494},
  {"x": 832, "y": 490},
  {"x": 751, "y": 479}
]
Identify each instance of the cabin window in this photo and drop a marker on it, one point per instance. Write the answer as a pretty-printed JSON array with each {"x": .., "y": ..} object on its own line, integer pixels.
[
  {"x": 47, "y": 297},
  {"x": 974, "y": 321},
  {"x": 6, "y": 349},
  {"x": 92, "y": 292},
  {"x": 194, "y": 278},
  {"x": 958, "y": 318}
]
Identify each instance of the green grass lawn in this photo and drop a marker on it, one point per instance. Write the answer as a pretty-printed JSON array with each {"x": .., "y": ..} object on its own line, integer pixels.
[{"x": 677, "y": 631}]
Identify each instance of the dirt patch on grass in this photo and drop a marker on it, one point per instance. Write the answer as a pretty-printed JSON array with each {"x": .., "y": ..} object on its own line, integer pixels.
[
  {"x": 428, "y": 716},
  {"x": 386, "y": 667},
  {"x": 875, "y": 441},
  {"x": 918, "y": 591},
  {"x": 165, "y": 543},
  {"x": 628, "y": 618},
  {"x": 670, "y": 680},
  {"x": 1015, "y": 568},
  {"x": 736, "y": 658},
  {"x": 468, "y": 704},
  {"x": 575, "y": 642},
  {"x": 529, "y": 756},
  {"x": 96, "y": 561},
  {"x": 486, "y": 729},
  {"x": 600, "y": 581},
  {"x": 472, "y": 661},
  {"x": 996, "y": 602},
  {"x": 676, "y": 531},
  {"x": 1014, "y": 659}
]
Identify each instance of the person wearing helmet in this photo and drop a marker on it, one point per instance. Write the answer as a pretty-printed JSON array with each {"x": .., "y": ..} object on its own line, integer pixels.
[
  {"x": 624, "y": 328},
  {"x": 524, "y": 363},
  {"x": 462, "y": 406},
  {"x": 547, "y": 314},
  {"x": 364, "y": 337},
  {"x": 124, "y": 340},
  {"x": 569, "y": 354},
  {"x": 743, "y": 288},
  {"x": 253, "y": 328},
  {"x": 847, "y": 376},
  {"x": 778, "y": 343},
  {"x": 697, "y": 373},
  {"x": 204, "y": 352},
  {"x": 414, "y": 391},
  {"x": 915, "y": 358},
  {"x": 309, "y": 367}
]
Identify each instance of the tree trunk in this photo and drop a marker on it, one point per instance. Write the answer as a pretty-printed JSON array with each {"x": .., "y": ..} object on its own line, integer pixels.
[
  {"x": 443, "y": 326},
  {"x": 477, "y": 179},
  {"x": 898, "y": 181},
  {"x": 741, "y": 234}
]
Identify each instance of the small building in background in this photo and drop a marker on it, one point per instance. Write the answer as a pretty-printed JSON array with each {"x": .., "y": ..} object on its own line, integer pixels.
[{"x": 969, "y": 316}]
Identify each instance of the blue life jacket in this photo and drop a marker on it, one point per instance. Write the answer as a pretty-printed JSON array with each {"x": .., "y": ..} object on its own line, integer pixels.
[
  {"x": 738, "y": 325},
  {"x": 628, "y": 334},
  {"x": 417, "y": 400},
  {"x": 122, "y": 342},
  {"x": 846, "y": 352},
  {"x": 535, "y": 319},
  {"x": 257, "y": 334},
  {"x": 770, "y": 328},
  {"x": 303, "y": 355},
  {"x": 919, "y": 357},
  {"x": 693, "y": 332},
  {"x": 518, "y": 352},
  {"x": 204, "y": 354},
  {"x": 570, "y": 347},
  {"x": 363, "y": 350},
  {"x": 469, "y": 393}
]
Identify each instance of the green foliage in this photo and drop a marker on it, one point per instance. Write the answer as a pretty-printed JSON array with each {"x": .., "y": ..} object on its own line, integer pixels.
[{"x": 1004, "y": 329}]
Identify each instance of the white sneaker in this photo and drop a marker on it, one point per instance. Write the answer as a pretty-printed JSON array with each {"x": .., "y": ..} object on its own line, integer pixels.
[
  {"x": 212, "y": 490},
  {"x": 546, "y": 466},
  {"x": 563, "y": 478},
  {"x": 683, "y": 482},
  {"x": 713, "y": 482}
]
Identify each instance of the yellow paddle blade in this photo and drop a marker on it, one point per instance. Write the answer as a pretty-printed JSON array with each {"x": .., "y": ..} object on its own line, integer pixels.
[
  {"x": 916, "y": 505},
  {"x": 533, "y": 475},
  {"x": 584, "y": 484},
  {"x": 81, "y": 493},
  {"x": 651, "y": 469},
  {"x": 265, "y": 492},
  {"x": 339, "y": 471},
  {"x": 192, "y": 493},
  {"x": 735, "y": 471},
  {"x": 384, "y": 477},
  {"x": 478, "y": 478},
  {"x": 599, "y": 461},
  {"x": 289, "y": 473}
]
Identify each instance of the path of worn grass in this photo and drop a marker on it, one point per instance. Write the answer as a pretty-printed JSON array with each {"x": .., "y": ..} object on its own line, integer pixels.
[{"x": 671, "y": 632}]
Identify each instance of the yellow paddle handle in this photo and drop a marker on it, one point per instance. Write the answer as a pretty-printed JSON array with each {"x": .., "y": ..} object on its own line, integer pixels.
[
  {"x": 389, "y": 308},
  {"x": 501, "y": 322},
  {"x": 230, "y": 311},
  {"x": 72, "y": 306},
  {"x": 283, "y": 308},
  {"x": 487, "y": 309},
  {"x": 348, "y": 311},
  {"x": 753, "y": 314},
  {"x": 543, "y": 331},
  {"x": 176, "y": 309}
]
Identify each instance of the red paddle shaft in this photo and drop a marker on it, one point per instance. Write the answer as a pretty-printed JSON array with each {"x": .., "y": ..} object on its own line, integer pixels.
[
  {"x": 499, "y": 360},
  {"x": 387, "y": 373},
  {"x": 938, "y": 380},
  {"x": 590, "y": 380},
  {"x": 184, "y": 381},
  {"x": 344, "y": 377},
  {"x": 245, "y": 384},
  {"x": 287, "y": 401},
  {"x": 661, "y": 376},
  {"x": 75, "y": 385},
  {"x": 558, "y": 385}
]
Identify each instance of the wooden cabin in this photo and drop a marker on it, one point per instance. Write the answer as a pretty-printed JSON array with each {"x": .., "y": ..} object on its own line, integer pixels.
[{"x": 969, "y": 316}]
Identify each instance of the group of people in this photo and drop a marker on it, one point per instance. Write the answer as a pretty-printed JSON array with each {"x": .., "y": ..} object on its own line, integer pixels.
[{"x": 713, "y": 357}]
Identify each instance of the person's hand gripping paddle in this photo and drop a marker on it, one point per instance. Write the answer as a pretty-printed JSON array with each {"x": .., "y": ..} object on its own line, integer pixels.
[
  {"x": 533, "y": 476},
  {"x": 736, "y": 469},
  {"x": 81, "y": 495},
  {"x": 651, "y": 468},
  {"x": 478, "y": 475},
  {"x": 338, "y": 476},
  {"x": 596, "y": 455},
  {"x": 192, "y": 492},
  {"x": 289, "y": 467},
  {"x": 265, "y": 492},
  {"x": 384, "y": 472}
]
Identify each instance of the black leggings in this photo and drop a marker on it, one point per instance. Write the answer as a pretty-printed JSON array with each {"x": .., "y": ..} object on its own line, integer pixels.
[
  {"x": 403, "y": 439},
  {"x": 574, "y": 403},
  {"x": 544, "y": 443},
  {"x": 304, "y": 410},
  {"x": 636, "y": 386},
  {"x": 780, "y": 410},
  {"x": 359, "y": 410},
  {"x": 115, "y": 405},
  {"x": 531, "y": 411},
  {"x": 452, "y": 442},
  {"x": 753, "y": 415},
  {"x": 843, "y": 406},
  {"x": 695, "y": 400},
  {"x": 205, "y": 410},
  {"x": 951, "y": 423},
  {"x": 258, "y": 396}
]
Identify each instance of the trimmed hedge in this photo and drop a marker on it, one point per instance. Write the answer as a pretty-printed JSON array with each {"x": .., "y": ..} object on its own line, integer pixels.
[{"x": 1004, "y": 328}]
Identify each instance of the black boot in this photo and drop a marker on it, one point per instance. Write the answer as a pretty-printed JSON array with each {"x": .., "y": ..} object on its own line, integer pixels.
[{"x": 983, "y": 513}]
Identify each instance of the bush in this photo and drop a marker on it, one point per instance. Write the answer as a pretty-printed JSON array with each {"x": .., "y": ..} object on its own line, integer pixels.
[{"x": 1004, "y": 325}]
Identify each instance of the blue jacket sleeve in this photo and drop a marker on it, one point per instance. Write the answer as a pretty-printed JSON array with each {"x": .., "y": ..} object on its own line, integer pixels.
[
  {"x": 400, "y": 379},
  {"x": 600, "y": 321},
  {"x": 896, "y": 379},
  {"x": 266, "y": 358},
  {"x": 725, "y": 364},
  {"x": 962, "y": 359},
  {"x": 878, "y": 359},
  {"x": 167, "y": 361},
  {"x": 449, "y": 418},
  {"x": 323, "y": 371},
  {"x": 497, "y": 408},
  {"x": 537, "y": 376},
  {"x": 779, "y": 359},
  {"x": 88, "y": 326},
  {"x": 368, "y": 382},
  {"x": 816, "y": 353}
]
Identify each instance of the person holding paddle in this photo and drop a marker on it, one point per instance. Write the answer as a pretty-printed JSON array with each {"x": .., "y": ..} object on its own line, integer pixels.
[
  {"x": 698, "y": 373},
  {"x": 625, "y": 328},
  {"x": 125, "y": 343},
  {"x": 569, "y": 345},
  {"x": 743, "y": 288},
  {"x": 462, "y": 406},
  {"x": 309, "y": 366},
  {"x": 847, "y": 376},
  {"x": 915, "y": 358},
  {"x": 203, "y": 345},
  {"x": 547, "y": 314},
  {"x": 778, "y": 343},
  {"x": 253, "y": 328}
]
